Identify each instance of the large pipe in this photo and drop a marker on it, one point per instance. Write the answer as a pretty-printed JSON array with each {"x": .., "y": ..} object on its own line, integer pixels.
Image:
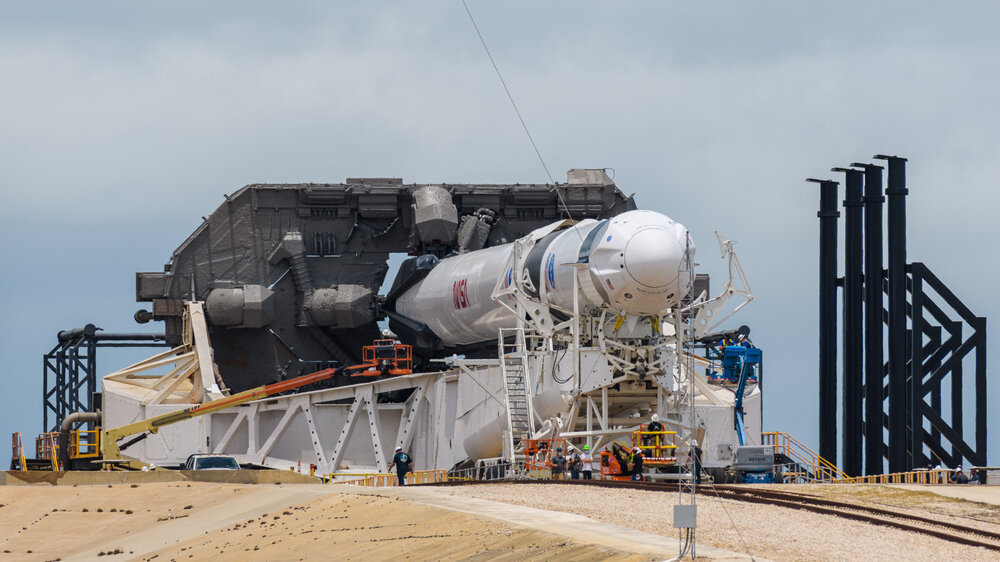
[
  {"x": 64, "y": 428},
  {"x": 94, "y": 332},
  {"x": 853, "y": 352},
  {"x": 88, "y": 330},
  {"x": 873, "y": 318},
  {"x": 828, "y": 215},
  {"x": 900, "y": 440}
]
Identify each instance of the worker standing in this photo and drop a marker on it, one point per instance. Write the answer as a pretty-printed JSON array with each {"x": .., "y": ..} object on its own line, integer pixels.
[
  {"x": 558, "y": 464},
  {"x": 651, "y": 437},
  {"x": 575, "y": 465},
  {"x": 637, "y": 464},
  {"x": 697, "y": 461},
  {"x": 403, "y": 464},
  {"x": 588, "y": 463}
]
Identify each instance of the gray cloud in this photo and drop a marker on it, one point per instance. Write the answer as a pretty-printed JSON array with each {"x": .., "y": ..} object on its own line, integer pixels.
[{"x": 122, "y": 126}]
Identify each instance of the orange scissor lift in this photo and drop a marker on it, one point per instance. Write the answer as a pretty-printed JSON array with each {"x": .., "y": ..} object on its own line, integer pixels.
[{"x": 538, "y": 456}]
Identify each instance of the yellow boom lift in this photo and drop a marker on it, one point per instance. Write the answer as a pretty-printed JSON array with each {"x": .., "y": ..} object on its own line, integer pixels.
[{"x": 111, "y": 450}]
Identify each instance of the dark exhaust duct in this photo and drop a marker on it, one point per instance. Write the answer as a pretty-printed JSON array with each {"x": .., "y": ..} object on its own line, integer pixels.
[
  {"x": 873, "y": 318},
  {"x": 904, "y": 446},
  {"x": 853, "y": 350},
  {"x": 828, "y": 215}
]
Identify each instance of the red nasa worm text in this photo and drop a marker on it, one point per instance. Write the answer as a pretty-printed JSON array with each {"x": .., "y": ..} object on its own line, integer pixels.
[{"x": 458, "y": 294}]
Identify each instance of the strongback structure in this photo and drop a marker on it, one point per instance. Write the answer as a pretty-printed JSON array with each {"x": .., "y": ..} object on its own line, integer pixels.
[
  {"x": 933, "y": 339},
  {"x": 290, "y": 273}
]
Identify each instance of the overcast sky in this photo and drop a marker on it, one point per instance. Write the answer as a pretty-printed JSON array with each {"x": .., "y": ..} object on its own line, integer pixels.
[{"x": 123, "y": 123}]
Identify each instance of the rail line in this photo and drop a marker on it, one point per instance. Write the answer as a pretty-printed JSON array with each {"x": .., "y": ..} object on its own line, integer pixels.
[{"x": 866, "y": 514}]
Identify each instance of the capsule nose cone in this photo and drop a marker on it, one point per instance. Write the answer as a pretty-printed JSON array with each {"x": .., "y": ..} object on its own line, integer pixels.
[
  {"x": 653, "y": 258},
  {"x": 641, "y": 264}
]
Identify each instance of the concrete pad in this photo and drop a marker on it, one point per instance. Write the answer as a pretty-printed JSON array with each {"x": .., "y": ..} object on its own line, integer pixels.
[
  {"x": 85, "y": 478},
  {"x": 249, "y": 476},
  {"x": 569, "y": 525},
  {"x": 969, "y": 492}
]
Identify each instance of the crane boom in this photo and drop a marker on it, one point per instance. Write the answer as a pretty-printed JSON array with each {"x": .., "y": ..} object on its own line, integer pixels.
[{"x": 109, "y": 438}]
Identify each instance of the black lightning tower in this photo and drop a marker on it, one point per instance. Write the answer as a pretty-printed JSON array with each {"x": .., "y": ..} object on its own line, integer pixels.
[{"x": 896, "y": 357}]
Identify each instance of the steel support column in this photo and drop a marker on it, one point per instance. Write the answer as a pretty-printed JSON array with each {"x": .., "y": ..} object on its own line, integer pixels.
[
  {"x": 69, "y": 370},
  {"x": 980, "y": 420},
  {"x": 902, "y": 446},
  {"x": 915, "y": 409},
  {"x": 853, "y": 344},
  {"x": 873, "y": 318},
  {"x": 828, "y": 215}
]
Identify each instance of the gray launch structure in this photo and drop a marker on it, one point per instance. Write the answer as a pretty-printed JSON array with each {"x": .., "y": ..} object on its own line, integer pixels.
[{"x": 290, "y": 273}]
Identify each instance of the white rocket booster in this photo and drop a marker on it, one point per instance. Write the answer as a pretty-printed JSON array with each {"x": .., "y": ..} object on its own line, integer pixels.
[{"x": 632, "y": 263}]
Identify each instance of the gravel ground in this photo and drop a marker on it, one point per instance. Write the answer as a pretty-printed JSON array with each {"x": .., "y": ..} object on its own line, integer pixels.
[
  {"x": 914, "y": 502},
  {"x": 771, "y": 532}
]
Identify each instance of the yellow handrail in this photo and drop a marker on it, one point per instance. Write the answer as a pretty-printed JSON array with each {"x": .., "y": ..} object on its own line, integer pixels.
[
  {"x": 381, "y": 479},
  {"x": 89, "y": 448},
  {"x": 47, "y": 447},
  {"x": 792, "y": 448},
  {"x": 935, "y": 476},
  {"x": 659, "y": 440}
]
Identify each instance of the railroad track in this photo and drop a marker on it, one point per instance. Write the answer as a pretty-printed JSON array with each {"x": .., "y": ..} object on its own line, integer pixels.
[{"x": 960, "y": 534}]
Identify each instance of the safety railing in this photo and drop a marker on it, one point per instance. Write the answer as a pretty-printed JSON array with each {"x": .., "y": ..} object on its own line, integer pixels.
[
  {"x": 84, "y": 444},
  {"x": 818, "y": 467},
  {"x": 463, "y": 475},
  {"x": 931, "y": 476},
  {"x": 17, "y": 452},
  {"x": 655, "y": 443},
  {"x": 47, "y": 447},
  {"x": 379, "y": 479}
]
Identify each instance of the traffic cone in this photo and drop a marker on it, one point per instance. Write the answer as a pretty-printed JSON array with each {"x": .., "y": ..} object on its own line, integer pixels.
[{"x": 299, "y": 470}]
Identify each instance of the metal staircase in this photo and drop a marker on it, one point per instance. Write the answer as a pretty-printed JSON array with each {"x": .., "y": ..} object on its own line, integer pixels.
[
  {"x": 517, "y": 398},
  {"x": 808, "y": 466}
]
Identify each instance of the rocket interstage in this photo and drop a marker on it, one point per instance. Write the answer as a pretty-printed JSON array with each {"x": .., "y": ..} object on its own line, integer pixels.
[{"x": 633, "y": 263}]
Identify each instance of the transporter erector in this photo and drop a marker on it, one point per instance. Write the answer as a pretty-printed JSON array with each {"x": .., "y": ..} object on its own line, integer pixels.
[{"x": 528, "y": 321}]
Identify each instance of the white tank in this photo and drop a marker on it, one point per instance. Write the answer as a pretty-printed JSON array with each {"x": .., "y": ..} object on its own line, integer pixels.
[{"x": 634, "y": 263}]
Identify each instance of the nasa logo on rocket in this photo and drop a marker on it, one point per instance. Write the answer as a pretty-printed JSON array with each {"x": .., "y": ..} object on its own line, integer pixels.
[{"x": 458, "y": 293}]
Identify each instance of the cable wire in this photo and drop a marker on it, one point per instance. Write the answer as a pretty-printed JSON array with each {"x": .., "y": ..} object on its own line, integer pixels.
[
  {"x": 505, "y": 89},
  {"x": 735, "y": 528},
  {"x": 520, "y": 117}
]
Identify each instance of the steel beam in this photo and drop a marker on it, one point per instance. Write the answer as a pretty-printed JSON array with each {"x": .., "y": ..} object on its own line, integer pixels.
[
  {"x": 69, "y": 370},
  {"x": 915, "y": 417}
]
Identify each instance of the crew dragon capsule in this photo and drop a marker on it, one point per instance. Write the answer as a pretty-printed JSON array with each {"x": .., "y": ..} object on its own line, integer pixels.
[{"x": 633, "y": 264}]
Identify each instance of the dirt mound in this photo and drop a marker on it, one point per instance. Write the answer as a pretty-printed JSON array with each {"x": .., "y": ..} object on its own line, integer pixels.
[{"x": 194, "y": 520}]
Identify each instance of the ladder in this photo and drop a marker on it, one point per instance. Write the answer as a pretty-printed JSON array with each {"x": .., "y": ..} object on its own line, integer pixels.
[{"x": 517, "y": 397}]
